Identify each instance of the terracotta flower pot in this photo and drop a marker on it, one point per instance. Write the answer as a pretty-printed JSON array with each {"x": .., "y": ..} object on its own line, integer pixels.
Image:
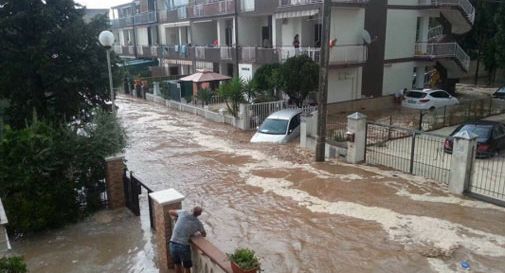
[{"x": 236, "y": 269}]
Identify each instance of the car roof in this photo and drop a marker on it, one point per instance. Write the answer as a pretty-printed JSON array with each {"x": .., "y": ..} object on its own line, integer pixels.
[
  {"x": 286, "y": 114},
  {"x": 427, "y": 91}
]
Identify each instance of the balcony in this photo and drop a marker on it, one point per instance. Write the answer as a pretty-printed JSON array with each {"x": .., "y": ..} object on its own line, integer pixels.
[
  {"x": 227, "y": 53},
  {"x": 209, "y": 54},
  {"x": 259, "y": 55},
  {"x": 291, "y": 3},
  {"x": 178, "y": 52},
  {"x": 128, "y": 51},
  {"x": 147, "y": 51},
  {"x": 460, "y": 13},
  {"x": 167, "y": 16},
  {"x": 207, "y": 8},
  {"x": 348, "y": 54},
  {"x": 287, "y": 52},
  {"x": 137, "y": 19},
  {"x": 434, "y": 51}
]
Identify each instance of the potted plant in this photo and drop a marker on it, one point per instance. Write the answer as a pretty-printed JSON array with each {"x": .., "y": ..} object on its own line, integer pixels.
[{"x": 244, "y": 260}]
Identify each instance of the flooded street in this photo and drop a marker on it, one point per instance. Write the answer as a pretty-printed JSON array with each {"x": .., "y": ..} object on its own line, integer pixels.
[{"x": 298, "y": 216}]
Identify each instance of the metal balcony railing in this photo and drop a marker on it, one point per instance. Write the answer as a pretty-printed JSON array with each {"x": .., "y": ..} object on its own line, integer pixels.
[
  {"x": 144, "y": 18},
  {"x": 463, "y": 5},
  {"x": 118, "y": 49},
  {"x": 443, "y": 50},
  {"x": 289, "y": 3},
  {"x": 286, "y": 52},
  {"x": 208, "y": 8},
  {"x": 200, "y": 52},
  {"x": 226, "y": 52},
  {"x": 172, "y": 15},
  {"x": 122, "y": 22},
  {"x": 435, "y": 33}
]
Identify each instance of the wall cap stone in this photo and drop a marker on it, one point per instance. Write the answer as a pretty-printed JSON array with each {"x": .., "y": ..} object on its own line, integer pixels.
[
  {"x": 357, "y": 116},
  {"x": 115, "y": 157},
  {"x": 166, "y": 197}
]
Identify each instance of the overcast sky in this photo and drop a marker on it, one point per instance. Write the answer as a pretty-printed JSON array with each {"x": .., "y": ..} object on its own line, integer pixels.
[{"x": 101, "y": 4}]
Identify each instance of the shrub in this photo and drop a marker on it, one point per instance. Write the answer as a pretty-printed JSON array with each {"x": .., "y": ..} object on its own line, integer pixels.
[
  {"x": 233, "y": 94},
  {"x": 245, "y": 258},
  {"x": 12, "y": 265},
  {"x": 43, "y": 167}
]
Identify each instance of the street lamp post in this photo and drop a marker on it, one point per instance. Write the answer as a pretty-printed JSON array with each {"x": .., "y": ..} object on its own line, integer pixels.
[{"x": 106, "y": 39}]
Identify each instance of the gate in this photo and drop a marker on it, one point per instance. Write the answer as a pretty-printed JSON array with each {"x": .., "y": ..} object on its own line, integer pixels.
[
  {"x": 408, "y": 150},
  {"x": 488, "y": 179},
  {"x": 132, "y": 189}
]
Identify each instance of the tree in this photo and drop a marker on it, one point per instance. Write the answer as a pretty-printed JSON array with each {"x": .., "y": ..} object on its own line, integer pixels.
[
  {"x": 499, "y": 20},
  {"x": 204, "y": 96},
  {"x": 266, "y": 82},
  {"x": 299, "y": 75},
  {"x": 233, "y": 94},
  {"x": 51, "y": 61}
]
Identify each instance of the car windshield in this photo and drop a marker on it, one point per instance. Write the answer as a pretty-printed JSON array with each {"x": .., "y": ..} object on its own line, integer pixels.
[
  {"x": 501, "y": 90},
  {"x": 482, "y": 131},
  {"x": 415, "y": 94},
  {"x": 274, "y": 126}
]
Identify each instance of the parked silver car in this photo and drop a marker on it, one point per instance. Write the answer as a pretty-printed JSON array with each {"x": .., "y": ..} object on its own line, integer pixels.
[{"x": 279, "y": 127}]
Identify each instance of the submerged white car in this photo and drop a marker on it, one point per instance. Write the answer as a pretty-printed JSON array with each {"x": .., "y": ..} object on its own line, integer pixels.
[
  {"x": 427, "y": 99},
  {"x": 279, "y": 127}
]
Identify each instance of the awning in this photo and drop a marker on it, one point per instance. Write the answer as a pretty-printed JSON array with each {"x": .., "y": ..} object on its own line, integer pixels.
[
  {"x": 177, "y": 24},
  {"x": 205, "y": 76},
  {"x": 298, "y": 13}
]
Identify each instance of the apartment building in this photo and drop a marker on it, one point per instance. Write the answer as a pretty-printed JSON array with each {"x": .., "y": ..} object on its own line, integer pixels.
[{"x": 381, "y": 46}]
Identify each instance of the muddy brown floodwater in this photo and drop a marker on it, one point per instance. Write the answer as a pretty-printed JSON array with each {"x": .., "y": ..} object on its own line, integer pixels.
[{"x": 298, "y": 216}]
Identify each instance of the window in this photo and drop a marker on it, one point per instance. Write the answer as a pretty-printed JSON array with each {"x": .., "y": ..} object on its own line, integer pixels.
[
  {"x": 499, "y": 131},
  {"x": 274, "y": 126},
  {"x": 295, "y": 122},
  {"x": 415, "y": 94},
  {"x": 440, "y": 95}
]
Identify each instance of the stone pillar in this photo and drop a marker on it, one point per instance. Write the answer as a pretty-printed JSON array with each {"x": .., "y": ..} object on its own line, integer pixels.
[
  {"x": 420, "y": 71},
  {"x": 308, "y": 130},
  {"x": 243, "y": 117},
  {"x": 356, "y": 125},
  {"x": 115, "y": 168},
  {"x": 163, "y": 201},
  {"x": 463, "y": 153},
  {"x": 156, "y": 89}
]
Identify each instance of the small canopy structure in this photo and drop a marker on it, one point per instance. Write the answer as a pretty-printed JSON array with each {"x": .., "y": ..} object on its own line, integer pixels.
[
  {"x": 203, "y": 75},
  {"x": 205, "y": 79}
]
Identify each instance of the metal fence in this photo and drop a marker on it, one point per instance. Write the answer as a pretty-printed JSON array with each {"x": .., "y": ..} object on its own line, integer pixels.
[
  {"x": 408, "y": 150},
  {"x": 260, "y": 111},
  {"x": 335, "y": 133},
  {"x": 488, "y": 179}
]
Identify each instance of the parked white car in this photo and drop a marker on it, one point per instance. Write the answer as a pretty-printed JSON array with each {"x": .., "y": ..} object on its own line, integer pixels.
[
  {"x": 428, "y": 99},
  {"x": 280, "y": 127}
]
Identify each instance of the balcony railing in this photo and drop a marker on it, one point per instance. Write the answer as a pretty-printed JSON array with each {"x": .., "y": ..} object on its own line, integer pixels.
[
  {"x": 145, "y": 18},
  {"x": 209, "y": 8},
  {"x": 435, "y": 33},
  {"x": 227, "y": 52},
  {"x": 443, "y": 50},
  {"x": 287, "y": 52},
  {"x": 172, "y": 15},
  {"x": 290, "y": 3},
  {"x": 137, "y": 19},
  {"x": 208, "y": 258},
  {"x": 118, "y": 49},
  {"x": 464, "y": 5},
  {"x": 348, "y": 54},
  {"x": 178, "y": 52},
  {"x": 259, "y": 55}
]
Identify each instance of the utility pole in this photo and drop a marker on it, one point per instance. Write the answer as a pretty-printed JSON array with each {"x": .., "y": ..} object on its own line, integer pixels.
[
  {"x": 323, "y": 82},
  {"x": 235, "y": 30}
]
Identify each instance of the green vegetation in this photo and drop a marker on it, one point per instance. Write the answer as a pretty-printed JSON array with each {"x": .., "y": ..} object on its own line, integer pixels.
[
  {"x": 233, "y": 94},
  {"x": 51, "y": 61},
  {"x": 55, "y": 132},
  {"x": 245, "y": 258},
  {"x": 204, "y": 96},
  {"x": 51, "y": 174},
  {"x": 297, "y": 77},
  {"x": 12, "y": 265}
]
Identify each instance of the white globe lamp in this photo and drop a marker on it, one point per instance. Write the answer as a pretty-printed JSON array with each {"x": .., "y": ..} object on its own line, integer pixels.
[{"x": 106, "y": 38}]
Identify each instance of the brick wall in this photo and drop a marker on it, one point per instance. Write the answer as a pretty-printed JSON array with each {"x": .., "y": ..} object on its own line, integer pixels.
[
  {"x": 164, "y": 226},
  {"x": 114, "y": 179}
]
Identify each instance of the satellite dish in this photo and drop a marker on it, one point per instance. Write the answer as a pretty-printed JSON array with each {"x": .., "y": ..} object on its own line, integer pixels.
[{"x": 366, "y": 36}]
